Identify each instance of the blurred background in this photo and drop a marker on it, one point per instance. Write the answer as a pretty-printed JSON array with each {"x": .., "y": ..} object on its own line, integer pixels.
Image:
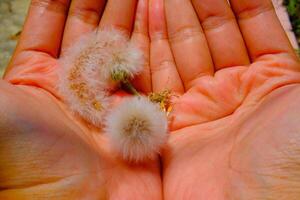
[{"x": 13, "y": 12}]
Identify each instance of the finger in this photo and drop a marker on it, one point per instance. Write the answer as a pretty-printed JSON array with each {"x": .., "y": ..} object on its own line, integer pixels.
[
  {"x": 261, "y": 28},
  {"x": 44, "y": 26},
  {"x": 84, "y": 17},
  {"x": 224, "y": 38},
  {"x": 140, "y": 37},
  {"x": 162, "y": 65},
  {"x": 188, "y": 42},
  {"x": 119, "y": 14}
]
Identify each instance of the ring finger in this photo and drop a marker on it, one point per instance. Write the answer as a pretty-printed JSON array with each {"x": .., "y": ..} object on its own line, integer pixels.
[
  {"x": 222, "y": 32},
  {"x": 119, "y": 14},
  {"x": 188, "y": 42}
]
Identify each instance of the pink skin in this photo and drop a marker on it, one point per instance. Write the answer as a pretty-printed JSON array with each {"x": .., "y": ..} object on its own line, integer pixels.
[
  {"x": 234, "y": 131},
  {"x": 46, "y": 152}
]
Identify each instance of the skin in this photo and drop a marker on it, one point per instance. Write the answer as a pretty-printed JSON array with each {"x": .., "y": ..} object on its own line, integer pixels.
[{"x": 234, "y": 130}]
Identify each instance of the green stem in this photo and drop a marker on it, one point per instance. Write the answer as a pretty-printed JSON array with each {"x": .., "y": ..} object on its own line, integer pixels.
[{"x": 129, "y": 87}]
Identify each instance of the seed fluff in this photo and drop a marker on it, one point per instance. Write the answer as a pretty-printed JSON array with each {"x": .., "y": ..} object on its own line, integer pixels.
[
  {"x": 137, "y": 129},
  {"x": 93, "y": 67}
]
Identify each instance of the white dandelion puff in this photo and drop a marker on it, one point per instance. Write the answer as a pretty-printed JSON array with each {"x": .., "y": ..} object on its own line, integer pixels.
[
  {"x": 137, "y": 129},
  {"x": 88, "y": 104},
  {"x": 88, "y": 68}
]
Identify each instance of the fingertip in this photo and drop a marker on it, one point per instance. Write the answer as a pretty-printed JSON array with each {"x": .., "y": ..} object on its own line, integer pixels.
[
  {"x": 119, "y": 14},
  {"x": 157, "y": 24},
  {"x": 140, "y": 37},
  {"x": 141, "y": 21}
]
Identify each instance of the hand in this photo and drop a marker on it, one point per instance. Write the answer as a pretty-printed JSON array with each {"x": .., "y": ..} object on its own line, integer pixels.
[
  {"x": 235, "y": 125},
  {"x": 197, "y": 162},
  {"x": 45, "y": 152}
]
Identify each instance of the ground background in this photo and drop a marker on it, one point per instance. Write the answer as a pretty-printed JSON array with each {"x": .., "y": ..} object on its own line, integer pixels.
[
  {"x": 293, "y": 8},
  {"x": 12, "y": 13}
]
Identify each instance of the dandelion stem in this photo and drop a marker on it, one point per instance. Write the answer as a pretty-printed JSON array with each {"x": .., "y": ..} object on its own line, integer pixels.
[{"x": 129, "y": 87}]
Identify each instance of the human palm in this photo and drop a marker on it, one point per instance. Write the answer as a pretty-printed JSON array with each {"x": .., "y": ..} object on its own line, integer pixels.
[
  {"x": 234, "y": 128},
  {"x": 46, "y": 152},
  {"x": 226, "y": 126},
  {"x": 233, "y": 144}
]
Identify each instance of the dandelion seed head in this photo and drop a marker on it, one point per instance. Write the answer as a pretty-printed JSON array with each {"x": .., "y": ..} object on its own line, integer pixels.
[
  {"x": 86, "y": 68},
  {"x": 137, "y": 129},
  {"x": 109, "y": 51}
]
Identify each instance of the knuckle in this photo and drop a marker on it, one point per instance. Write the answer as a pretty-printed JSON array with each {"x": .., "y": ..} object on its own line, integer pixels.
[
  {"x": 162, "y": 65},
  {"x": 250, "y": 11},
  {"x": 88, "y": 15},
  {"x": 158, "y": 36},
  {"x": 216, "y": 21},
  {"x": 184, "y": 33},
  {"x": 54, "y": 5}
]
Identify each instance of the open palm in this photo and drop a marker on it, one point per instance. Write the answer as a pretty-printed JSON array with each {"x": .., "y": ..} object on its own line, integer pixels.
[
  {"x": 234, "y": 113},
  {"x": 234, "y": 123},
  {"x": 45, "y": 151}
]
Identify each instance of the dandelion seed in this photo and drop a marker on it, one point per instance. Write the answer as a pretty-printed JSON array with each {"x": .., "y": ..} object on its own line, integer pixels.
[
  {"x": 94, "y": 66},
  {"x": 137, "y": 129},
  {"x": 110, "y": 58}
]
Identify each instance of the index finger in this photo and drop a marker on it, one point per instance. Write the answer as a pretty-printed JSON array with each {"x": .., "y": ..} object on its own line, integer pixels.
[
  {"x": 44, "y": 27},
  {"x": 261, "y": 29}
]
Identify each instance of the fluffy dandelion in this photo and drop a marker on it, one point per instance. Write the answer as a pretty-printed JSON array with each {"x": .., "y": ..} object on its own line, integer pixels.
[
  {"x": 137, "y": 129},
  {"x": 110, "y": 57},
  {"x": 93, "y": 67}
]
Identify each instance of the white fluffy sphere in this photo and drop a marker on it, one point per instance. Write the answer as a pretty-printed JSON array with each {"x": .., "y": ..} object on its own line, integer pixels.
[
  {"x": 137, "y": 129},
  {"x": 86, "y": 69}
]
